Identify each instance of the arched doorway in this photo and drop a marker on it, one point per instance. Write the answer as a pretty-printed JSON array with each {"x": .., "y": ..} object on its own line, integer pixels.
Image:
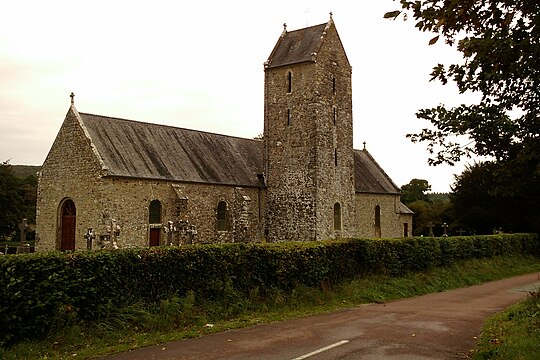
[{"x": 68, "y": 225}]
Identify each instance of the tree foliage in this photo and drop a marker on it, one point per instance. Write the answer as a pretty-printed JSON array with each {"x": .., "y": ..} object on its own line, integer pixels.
[
  {"x": 429, "y": 217},
  {"x": 500, "y": 44},
  {"x": 18, "y": 198},
  {"x": 431, "y": 211},
  {"x": 11, "y": 200},
  {"x": 486, "y": 198},
  {"x": 415, "y": 190}
]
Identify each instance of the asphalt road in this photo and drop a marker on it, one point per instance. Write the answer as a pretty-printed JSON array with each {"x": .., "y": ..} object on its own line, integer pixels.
[{"x": 435, "y": 326}]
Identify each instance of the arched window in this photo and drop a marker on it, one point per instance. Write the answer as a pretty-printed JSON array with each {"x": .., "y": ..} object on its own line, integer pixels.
[
  {"x": 155, "y": 212},
  {"x": 68, "y": 225},
  {"x": 289, "y": 82},
  {"x": 335, "y": 116},
  {"x": 335, "y": 157},
  {"x": 154, "y": 218},
  {"x": 288, "y": 117},
  {"x": 378, "y": 221},
  {"x": 377, "y": 216},
  {"x": 221, "y": 216},
  {"x": 337, "y": 216}
]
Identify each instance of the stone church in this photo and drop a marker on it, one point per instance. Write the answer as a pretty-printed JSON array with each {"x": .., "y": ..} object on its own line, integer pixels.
[{"x": 116, "y": 183}]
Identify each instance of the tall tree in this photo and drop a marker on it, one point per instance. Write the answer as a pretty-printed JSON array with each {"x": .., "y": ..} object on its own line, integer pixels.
[
  {"x": 415, "y": 190},
  {"x": 11, "y": 201},
  {"x": 500, "y": 44},
  {"x": 430, "y": 212},
  {"x": 429, "y": 217},
  {"x": 482, "y": 202}
]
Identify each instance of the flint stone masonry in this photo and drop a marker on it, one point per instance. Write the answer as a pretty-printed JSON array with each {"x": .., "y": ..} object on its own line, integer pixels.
[{"x": 284, "y": 187}]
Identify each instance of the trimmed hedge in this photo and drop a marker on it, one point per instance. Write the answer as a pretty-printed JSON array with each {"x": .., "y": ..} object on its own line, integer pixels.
[{"x": 42, "y": 291}]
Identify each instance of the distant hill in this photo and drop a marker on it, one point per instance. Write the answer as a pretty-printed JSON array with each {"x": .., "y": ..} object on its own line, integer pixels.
[{"x": 22, "y": 171}]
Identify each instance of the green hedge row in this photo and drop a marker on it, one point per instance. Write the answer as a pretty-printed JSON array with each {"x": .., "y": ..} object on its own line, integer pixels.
[{"x": 40, "y": 291}]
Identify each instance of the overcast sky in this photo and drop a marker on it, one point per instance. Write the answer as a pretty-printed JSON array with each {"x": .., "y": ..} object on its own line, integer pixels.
[{"x": 199, "y": 65}]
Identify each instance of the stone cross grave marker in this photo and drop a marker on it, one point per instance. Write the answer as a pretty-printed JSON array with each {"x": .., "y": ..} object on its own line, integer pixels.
[{"x": 23, "y": 248}]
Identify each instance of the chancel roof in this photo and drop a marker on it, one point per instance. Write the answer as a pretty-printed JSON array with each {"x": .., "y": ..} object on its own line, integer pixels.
[
  {"x": 150, "y": 151},
  {"x": 370, "y": 177}
]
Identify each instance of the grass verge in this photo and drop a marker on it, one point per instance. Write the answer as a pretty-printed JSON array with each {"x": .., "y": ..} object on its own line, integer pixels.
[
  {"x": 177, "y": 318},
  {"x": 512, "y": 334}
]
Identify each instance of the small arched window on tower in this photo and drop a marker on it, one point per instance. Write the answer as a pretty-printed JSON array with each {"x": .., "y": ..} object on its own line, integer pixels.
[
  {"x": 335, "y": 115},
  {"x": 289, "y": 82},
  {"x": 377, "y": 221},
  {"x": 337, "y": 216},
  {"x": 221, "y": 216},
  {"x": 335, "y": 157},
  {"x": 288, "y": 117}
]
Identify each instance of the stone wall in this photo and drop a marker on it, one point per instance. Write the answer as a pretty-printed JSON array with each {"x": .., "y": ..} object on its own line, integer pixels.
[
  {"x": 309, "y": 168},
  {"x": 308, "y": 149},
  {"x": 391, "y": 221},
  {"x": 290, "y": 160},
  {"x": 334, "y": 119},
  {"x": 192, "y": 208},
  {"x": 70, "y": 171}
]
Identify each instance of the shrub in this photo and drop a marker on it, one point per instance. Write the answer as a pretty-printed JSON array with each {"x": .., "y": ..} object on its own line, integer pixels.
[{"x": 43, "y": 291}]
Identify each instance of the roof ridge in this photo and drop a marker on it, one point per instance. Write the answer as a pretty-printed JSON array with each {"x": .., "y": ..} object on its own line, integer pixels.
[
  {"x": 309, "y": 27},
  {"x": 168, "y": 126}
]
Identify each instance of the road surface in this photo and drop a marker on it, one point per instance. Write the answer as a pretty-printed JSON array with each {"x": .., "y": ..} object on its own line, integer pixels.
[{"x": 436, "y": 326}]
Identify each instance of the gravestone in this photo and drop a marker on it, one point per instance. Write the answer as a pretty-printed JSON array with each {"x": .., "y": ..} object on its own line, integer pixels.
[{"x": 23, "y": 247}]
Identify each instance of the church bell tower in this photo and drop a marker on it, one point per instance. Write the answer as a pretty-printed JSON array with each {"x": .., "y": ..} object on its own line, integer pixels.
[{"x": 308, "y": 137}]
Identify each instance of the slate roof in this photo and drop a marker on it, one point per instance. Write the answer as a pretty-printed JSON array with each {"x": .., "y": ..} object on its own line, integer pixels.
[
  {"x": 297, "y": 46},
  {"x": 143, "y": 150},
  {"x": 150, "y": 151},
  {"x": 370, "y": 177},
  {"x": 403, "y": 209}
]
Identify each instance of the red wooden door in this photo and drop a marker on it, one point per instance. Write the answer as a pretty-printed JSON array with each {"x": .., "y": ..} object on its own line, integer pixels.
[
  {"x": 154, "y": 236},
  {"x": 69, "y": 221}
]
